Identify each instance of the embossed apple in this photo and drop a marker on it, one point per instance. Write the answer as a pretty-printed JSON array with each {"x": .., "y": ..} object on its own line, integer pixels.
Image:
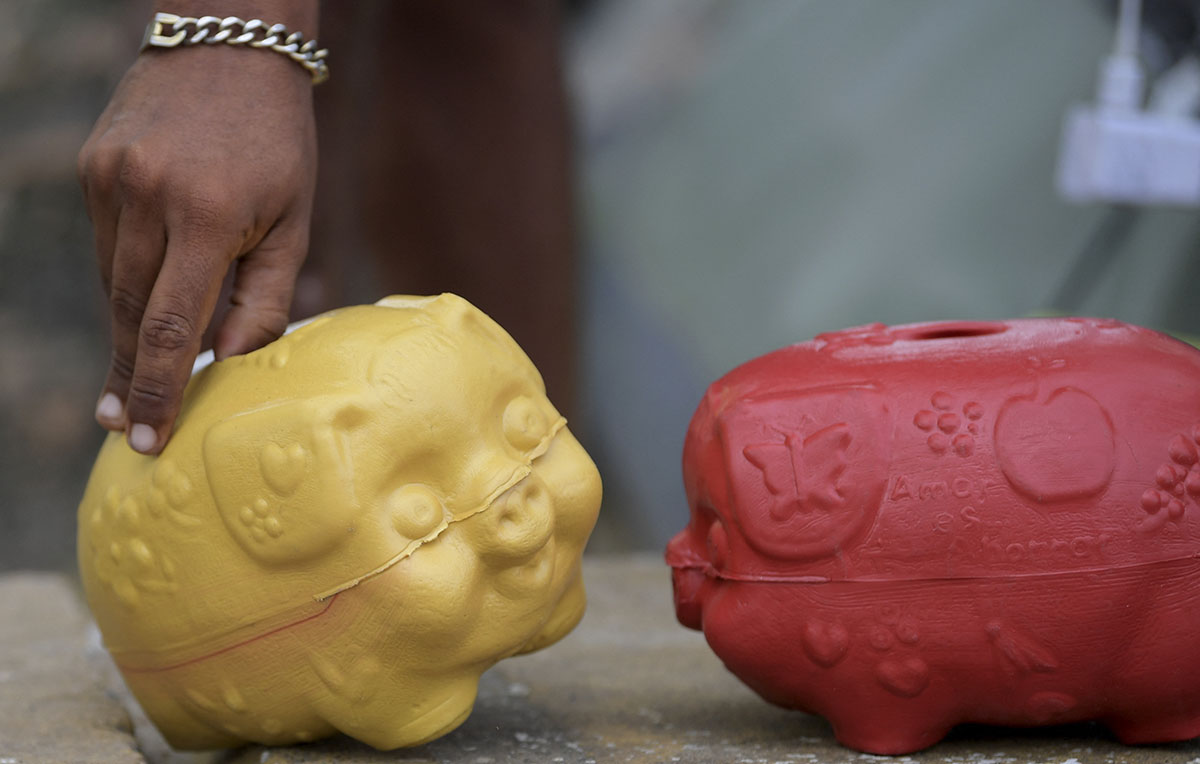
[
  {"x": 346, "y": 529},
  {"x": 907, "y": 528}
]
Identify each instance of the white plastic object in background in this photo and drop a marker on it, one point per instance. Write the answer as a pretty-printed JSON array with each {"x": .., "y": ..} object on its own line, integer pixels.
[
  {"x": 1130, "y": 158},
  {"x": 1115, "y": 151}
]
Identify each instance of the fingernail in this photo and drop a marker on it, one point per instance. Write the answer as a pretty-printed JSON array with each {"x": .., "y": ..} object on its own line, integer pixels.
[
  {"x": 142, "y": 438},
  {"x": 109, "y": 409}
]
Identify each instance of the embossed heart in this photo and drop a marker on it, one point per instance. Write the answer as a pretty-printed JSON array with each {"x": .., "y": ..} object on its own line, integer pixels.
[
  {"x": 825, "y": 643},
  {"x": 283, "y": 468},
  {"x": 906, "y": 678}
]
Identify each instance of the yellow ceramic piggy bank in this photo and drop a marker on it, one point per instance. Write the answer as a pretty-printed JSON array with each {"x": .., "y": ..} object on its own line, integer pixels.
[{"x": 347, "y": 528}]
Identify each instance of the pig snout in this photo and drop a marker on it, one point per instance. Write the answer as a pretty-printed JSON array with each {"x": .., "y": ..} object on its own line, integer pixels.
[{"x": 688, "y": 579}]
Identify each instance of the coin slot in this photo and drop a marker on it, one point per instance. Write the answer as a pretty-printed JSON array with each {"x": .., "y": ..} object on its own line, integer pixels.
[{"x": 949, "y": 331}]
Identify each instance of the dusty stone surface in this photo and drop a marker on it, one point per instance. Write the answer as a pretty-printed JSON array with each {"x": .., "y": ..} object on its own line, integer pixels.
[
  {"x": 632, "y": 685},
  {"x": 629, "y": 685},
  {"x": 55, "y": 704}
]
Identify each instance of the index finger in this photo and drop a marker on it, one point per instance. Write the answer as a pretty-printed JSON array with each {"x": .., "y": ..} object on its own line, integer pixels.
[
  {"x": 176, "y": 316},
  {"x": 136, "y": 264}
]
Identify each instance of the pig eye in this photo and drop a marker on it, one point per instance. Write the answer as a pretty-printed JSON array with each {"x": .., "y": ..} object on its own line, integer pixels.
[
  {"x": 416, "y": 511},
  {"x": 718, "y": 544},
  {"x": 524, "y": 423}
]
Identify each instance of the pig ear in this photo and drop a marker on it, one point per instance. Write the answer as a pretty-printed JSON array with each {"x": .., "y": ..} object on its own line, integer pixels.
[{"x": 282, "y": 477}]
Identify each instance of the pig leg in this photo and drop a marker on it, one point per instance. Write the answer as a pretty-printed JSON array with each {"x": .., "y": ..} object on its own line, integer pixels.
[
  {"x": 887, "y": 735},
  {"x": 886, "y": 723},
  {"x": 1164, "y": 729},
  {"x": 1157, "y": 674}
]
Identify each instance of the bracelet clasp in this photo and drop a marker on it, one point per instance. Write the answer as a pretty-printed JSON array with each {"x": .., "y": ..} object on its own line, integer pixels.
[{"x": 154, "y": 32}]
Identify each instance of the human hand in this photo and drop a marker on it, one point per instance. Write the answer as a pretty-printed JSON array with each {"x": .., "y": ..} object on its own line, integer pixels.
[{"x": 204, "y": 157}]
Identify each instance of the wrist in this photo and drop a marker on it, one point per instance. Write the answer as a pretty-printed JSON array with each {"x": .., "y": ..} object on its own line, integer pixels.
[
  {"x": 297, "y": 15},
  {"x": 178, "y": 29},
  {"x": 222, "y": 71}
]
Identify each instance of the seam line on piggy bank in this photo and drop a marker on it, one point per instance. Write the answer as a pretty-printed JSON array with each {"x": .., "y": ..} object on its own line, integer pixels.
[
  {"x": 140, "y": 661},
  {"x": 768, "y": 578},
  {"x": 518, "y": 475},
  {"x": 135, "y": 662}
]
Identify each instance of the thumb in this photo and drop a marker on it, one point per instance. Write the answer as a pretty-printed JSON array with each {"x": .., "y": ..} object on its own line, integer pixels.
[{"x": 263, "y": 284}]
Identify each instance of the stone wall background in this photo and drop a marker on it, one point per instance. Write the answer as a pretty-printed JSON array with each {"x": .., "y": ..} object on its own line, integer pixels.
[{"x": 59, "y": 60}]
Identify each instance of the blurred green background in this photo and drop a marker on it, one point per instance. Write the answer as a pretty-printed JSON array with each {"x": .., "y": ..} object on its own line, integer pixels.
[{"x": 750, "y": 174}]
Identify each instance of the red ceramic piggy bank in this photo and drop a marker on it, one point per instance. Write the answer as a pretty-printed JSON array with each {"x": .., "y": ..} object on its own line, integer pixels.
[{"x": 906, "y": 528}]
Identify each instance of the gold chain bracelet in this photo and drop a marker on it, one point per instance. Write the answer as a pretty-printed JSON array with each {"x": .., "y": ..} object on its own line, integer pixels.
[{"x": 169, "y": 31}]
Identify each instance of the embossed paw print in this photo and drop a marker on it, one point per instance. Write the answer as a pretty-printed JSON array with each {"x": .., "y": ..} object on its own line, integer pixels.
[
  {"x": 170, "y": 493},
  {"x": 904, "y": 676},
  {"x": 121, "y": 558},
  {"x": 869, "y": 334},
  {"x": 283, "y": 469},
  {"x": 261, "y": 520},
  {"x": 1176, "y": 481},
  {"x": 891, "y": 626},
  {"x": 945, "y": 425}
]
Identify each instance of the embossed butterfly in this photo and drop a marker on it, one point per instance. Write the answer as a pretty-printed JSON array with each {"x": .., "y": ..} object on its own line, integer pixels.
[{"x": 803, "y": 474}]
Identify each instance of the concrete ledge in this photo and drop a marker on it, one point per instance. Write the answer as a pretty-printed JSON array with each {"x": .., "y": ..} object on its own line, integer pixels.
[
  {"x": 55, "y": 705},
  {"x": 629, "y": 685},
  {"x": 632, "y": 685}
]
